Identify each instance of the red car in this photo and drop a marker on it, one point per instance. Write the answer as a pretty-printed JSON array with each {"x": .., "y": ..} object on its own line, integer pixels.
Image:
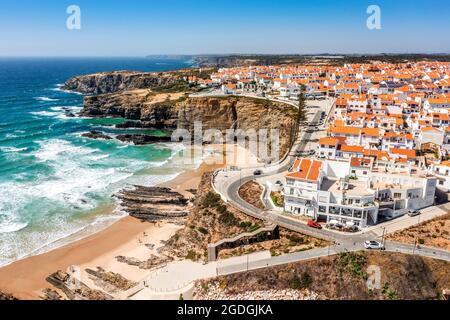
[{"x": 313, "y": 224}]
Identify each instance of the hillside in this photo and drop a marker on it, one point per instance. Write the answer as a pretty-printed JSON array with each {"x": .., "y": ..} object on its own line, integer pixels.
[{"x": 343, "y": 277}]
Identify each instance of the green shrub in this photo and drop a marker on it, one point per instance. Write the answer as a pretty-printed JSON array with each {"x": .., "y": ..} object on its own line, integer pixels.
[
  {"x": 303, "y": 282},
  {"x": 203, "y": 230},
  {"x": 228, "y": 219},
  {"x": 191, "y": 255},
  {"x": 211, "y": 200},
  {"x": 421, "y": 241},
  {"x": 253, "y": 228},
  {"x": 352, "y": 263},
  {"x": 245, "y": 224}
]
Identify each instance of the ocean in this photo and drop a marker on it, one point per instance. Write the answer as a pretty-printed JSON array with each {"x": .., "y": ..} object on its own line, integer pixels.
[{"x": 55, "y": 184}]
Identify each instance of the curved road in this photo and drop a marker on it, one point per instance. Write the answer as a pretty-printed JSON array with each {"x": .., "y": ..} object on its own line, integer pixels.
[{"x": 227, "y": 184}]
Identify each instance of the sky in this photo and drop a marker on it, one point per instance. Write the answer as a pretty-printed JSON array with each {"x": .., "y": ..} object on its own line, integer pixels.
[{"x": 139, "y": 28}]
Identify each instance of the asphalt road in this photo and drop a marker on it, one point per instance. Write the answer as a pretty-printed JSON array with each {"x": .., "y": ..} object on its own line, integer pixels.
[{"x": 344, "y": 241}]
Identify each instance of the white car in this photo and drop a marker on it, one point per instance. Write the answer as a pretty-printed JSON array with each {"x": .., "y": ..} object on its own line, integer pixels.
[
  {"x": 413, "y": 213},
  {"x": 373, "y": 245}
]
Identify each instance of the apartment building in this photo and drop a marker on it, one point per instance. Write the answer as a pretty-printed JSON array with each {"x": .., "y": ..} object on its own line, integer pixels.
[{"x": 356, "y": 192}]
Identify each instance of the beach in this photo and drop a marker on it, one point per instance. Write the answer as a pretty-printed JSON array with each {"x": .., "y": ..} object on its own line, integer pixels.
[{"x": 26, "y": 278}]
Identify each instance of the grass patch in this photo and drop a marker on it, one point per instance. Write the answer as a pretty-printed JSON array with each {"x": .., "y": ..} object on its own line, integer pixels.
[
  {"x": 277, "y": 199},
  {"x": 352, "y": 263}
]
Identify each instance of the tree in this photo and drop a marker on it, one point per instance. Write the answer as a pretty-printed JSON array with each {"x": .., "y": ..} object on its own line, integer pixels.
[{"x": 301, "y": 113}]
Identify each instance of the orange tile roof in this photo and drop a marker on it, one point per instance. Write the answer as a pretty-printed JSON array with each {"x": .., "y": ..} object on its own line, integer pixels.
[
  {"x": 410, "y": 154},
  {"x": 379, "y": 155},
  {"x": 354, "y": 149},
  {"x": 306, "y": 169},
  {"x": 359, "y": 162}
]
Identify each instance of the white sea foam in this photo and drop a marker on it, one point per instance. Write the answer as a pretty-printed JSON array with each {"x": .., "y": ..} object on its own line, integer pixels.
[
  {"x": 57, "y": 112},
  {"x": 58, "y": 88},
  {"x": 72, "y": 184},
  {"x": 46, "y": 99},
  {"x": 12, "y": 149}
]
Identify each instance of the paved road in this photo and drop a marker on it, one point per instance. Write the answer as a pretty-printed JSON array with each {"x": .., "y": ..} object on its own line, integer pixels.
[{"x": 227, "y": 184}]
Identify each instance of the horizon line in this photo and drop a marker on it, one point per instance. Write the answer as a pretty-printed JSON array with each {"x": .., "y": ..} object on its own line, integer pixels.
[{"x": 230, "y": 54}]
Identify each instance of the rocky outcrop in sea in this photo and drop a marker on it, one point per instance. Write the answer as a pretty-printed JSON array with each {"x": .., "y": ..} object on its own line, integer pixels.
[{"x": 153, "y": 203}]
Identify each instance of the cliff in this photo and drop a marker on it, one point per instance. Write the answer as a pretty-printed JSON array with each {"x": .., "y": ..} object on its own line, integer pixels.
[
  {"x": 109, "y": 82},
  {"x": 155, "y": 110},
  {"x": 176, "y": 110}
]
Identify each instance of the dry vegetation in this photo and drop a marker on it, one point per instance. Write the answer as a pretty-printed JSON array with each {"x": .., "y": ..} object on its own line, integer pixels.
[
  {"x": 344, "y": 277},
  {"x": 289, "y": 242},
  {"x": 211, "y": 220},
  {"x": 432, "y": 233},
  {"x": 251, "y": 192}
]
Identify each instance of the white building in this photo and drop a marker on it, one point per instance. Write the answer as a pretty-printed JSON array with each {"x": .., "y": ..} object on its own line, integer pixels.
[
  {"x": 354, "y": 193},
  {"x": 442, "y": 173}
]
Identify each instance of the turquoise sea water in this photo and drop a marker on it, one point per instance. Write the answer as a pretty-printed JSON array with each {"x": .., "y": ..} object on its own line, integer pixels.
[{"x": 53, "y": 182}]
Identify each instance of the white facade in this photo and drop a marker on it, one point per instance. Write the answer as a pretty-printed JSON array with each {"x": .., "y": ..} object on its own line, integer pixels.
[{"x": 357, "y": 195}]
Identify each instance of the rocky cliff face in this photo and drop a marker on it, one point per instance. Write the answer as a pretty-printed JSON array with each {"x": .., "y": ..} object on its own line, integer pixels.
[
  {"x": 154, "y": 110},
  {"x": 237, "y": 113},
  {"x": 179, "y": 111},
  {"x": 109, "y": 82}
]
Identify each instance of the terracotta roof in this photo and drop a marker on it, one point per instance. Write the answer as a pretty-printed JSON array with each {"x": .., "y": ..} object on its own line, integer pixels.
[
  {"x": 354, "y": 149},
  {"x": 305, "y": 169},
  {"x": 410, "y": 154},
  {"x": 360, "y": 162}
]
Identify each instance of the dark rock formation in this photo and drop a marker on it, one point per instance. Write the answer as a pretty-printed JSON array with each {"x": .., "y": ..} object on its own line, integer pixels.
[
  {"x": 108, "y": 82},
  {"x": 133, "y": 124},
  {"x": 74, "y": 289},
  {"x": 96, "y": 135},
  {"x": 142, "y": 139},
  {"x": 153, "y": 203},
  {"x": 7, "y": 296},
  {"x": 152, "y": 262},
  {"x": 50, "y": 294},
  {"x": 110, "y": 278}
]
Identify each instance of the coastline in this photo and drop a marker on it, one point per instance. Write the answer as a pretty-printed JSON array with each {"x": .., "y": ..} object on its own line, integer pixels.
[{"x": 26, "y": 278}]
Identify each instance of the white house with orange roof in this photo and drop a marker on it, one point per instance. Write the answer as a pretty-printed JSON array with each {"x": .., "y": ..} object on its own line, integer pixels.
[
  {"x": 366, "y": 137},
  {"x": 442, "y": 173},
  {"x": 302, "y": 184},
  {"x": 437, "y": 103},
  {"x": 354, "y": 193},
  {"x": 397, "y": 140}
]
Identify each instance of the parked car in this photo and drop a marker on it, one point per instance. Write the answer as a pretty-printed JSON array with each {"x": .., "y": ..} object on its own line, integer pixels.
[
  {"x": 313, "y": 224},
  {"x": 257, "y": 172},
  {"x": 373, "y": 245},
  {"x": 413, "y": 213},
  {"x": 279, "y": 183}
]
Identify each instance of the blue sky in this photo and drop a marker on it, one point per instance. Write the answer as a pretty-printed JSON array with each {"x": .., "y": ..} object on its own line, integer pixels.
[{"x": 138, "y": 28}]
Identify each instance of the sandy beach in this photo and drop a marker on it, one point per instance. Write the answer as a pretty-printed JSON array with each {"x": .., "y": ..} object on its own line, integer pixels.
[
  {"x": 26, "y": 278},
  {"x": 129, "y": 237}
]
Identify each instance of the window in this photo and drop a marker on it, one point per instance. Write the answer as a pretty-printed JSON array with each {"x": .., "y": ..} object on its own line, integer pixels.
[
  {"x": 397, "y": 195},
  {"x": 291, "y": 192}
]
